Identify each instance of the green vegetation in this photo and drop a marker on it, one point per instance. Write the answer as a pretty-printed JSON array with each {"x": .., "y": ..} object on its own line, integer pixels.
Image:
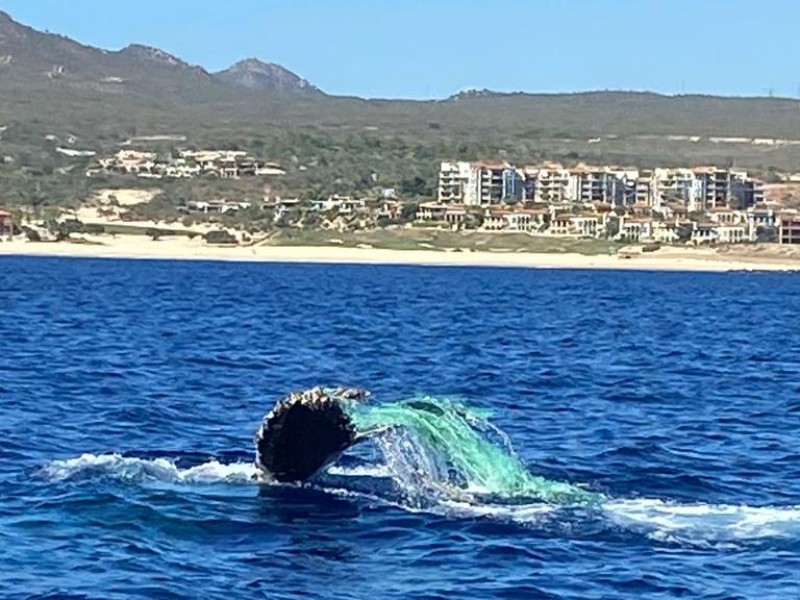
[
  {"x": 220, "y": 237},
  {"x": 121, "y": 229},
  {"x": 432, "y": 239},
  {"x": 350, "y": 146},
  {"x": 104, "y": 101}
]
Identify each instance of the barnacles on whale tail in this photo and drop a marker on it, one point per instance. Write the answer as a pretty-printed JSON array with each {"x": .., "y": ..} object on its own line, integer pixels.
[
  {"x": 358, "y": 394},
  {"x": 305, "y": 432}
]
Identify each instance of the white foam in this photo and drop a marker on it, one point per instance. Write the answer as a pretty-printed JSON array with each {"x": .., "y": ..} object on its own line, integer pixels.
[
  {"x": 517, "y": 513},
  {"x": 157, "y": 469},
  {"x": 695, "y": 524},
  {"x": 377, "y": 471},
  {"x": 703, "y": 523}
]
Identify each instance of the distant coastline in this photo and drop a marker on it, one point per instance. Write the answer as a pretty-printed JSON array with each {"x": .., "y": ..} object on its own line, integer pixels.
[{"x": 666, "y": 259}]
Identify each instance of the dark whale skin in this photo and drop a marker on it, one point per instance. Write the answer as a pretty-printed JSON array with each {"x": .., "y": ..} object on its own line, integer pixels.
[{"x": 304, "y": 433}]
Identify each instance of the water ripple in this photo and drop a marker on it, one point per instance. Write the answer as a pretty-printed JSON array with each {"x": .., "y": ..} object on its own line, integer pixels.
[{"x": 130, "y": 392}]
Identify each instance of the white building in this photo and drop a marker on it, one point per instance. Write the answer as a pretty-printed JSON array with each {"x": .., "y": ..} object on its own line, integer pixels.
[
  {"x": 635, "y": 230},
  {"x": 732, "y": 234},
  {"x": 553, "y": 184}
]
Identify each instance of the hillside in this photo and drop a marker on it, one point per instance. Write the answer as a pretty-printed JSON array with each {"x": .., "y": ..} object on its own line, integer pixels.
[
  {"x": 255, "y": 74},
  {"x": 95, "y": 99}
]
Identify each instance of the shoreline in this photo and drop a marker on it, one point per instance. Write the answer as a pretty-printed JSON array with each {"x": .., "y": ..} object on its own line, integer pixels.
[{"x": 666, "y": 259}]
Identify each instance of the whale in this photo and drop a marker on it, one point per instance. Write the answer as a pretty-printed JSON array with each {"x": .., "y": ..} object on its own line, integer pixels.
[
  {"x": 457, "y": 451},
  {"x": 305, "y": 432}
]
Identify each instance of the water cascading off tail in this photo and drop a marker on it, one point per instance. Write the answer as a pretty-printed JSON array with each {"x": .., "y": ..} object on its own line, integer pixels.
[
  {"x": 446, "y": 458},
  {"x": 432, "y": 444}
]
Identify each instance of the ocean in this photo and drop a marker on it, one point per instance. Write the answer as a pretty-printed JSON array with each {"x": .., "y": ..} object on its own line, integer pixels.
[{"x": 130, "y": 392}]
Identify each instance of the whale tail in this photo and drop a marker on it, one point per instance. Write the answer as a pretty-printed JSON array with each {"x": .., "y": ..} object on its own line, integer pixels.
[
  {"x": 304, "y": 433},
  {"x": 452, "y": 447}
]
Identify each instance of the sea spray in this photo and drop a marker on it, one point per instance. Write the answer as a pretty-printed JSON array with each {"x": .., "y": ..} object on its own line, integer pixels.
[
  {"x": 129, "y": 468},
  {"x": 440, "y": 444}
]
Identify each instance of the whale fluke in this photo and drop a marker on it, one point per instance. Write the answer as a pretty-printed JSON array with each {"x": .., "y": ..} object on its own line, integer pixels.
[{"x": 304, "y": 433}]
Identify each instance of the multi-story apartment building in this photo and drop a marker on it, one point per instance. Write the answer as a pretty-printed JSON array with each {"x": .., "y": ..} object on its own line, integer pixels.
[
  {"x": 699, "y": 190},
  {"x": 714, "y": 187},
  {"x": 644, "y": 189},
  {"x": 492, "y": 180},
  {"x": 476, "y": 184},
  {"x": 592, "y": 184},
  {"x": 760, "y": 219},
  {"x": 674, "y": 185},
  {"x": 789, "y": 228},
  {"x": 554, "y": 184},
  {"x": 450, "y": 182},
  {"x": 458, "y": 183},
  {"x": 514, "y": 189},
  {"x": 745, "y": 192},
  {"x": 623, "y": 187}
]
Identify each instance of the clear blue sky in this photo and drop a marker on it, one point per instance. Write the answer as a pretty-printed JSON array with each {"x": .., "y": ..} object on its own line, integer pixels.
[{"x": 433, "y": 48}]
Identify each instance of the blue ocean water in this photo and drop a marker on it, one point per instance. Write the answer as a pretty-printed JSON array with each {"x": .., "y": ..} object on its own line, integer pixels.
[{"x": 130, "y": 392}]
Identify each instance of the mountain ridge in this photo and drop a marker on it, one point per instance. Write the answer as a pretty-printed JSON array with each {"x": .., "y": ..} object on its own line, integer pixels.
[
  {"x": 254, "y": 73},
  {"x": 52, "y": 87},
  {"x": 28, "y": 53}
]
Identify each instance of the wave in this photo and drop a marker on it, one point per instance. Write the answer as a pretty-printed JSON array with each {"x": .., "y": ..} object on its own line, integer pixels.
[
  {"x": 701, "y": 523},
  {"x": 439, "y": 457},
  {"x": 126, "y": 468},
  {"x": 696, "y": 524}
]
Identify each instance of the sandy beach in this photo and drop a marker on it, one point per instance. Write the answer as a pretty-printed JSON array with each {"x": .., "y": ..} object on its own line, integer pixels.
[{"x": 180, "y": 248}]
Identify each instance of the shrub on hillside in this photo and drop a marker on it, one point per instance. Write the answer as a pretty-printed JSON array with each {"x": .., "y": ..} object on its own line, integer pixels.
[
  {"x": 219, "y": 237},
  {"x": 32, "y": 234},
  {"x": 94, "y": 229}
]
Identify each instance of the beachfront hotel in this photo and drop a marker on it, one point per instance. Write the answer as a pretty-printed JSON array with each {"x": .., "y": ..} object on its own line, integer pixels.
[
  {"x": 696, "y": 205},
  {"x": 700, "y": 188}
]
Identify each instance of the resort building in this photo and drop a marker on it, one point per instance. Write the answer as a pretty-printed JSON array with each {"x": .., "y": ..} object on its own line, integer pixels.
[
  {"x": 494, "y": 219},
  {"x": 454, "y": 178},
  {"x": 714, "y": 187},
  {"x": 789, "y": 229},
  {"x": 343, "y": 205},
  {"x": 727, "y": 216},
  {"x": 587, "y": 225},
  {"x": 665, "y": 232},
  {"x": 675, "y": 185},
  {"x": 704, "y": 233},
  {"x": 431, "y": 211},
  {"x": 6, "y": 226},
  {"x": 492, "y": 179},
  {"x": 225, "y": 164},
  {"x": 760, "y": 219},
  {"x": 561, "y": 224},
  {"x": 623, "y": 188},
  {"x": 593, "y": 185},
  {"x": 745, "y": 191},
  {"x": 552, "y": 184},
  {"x": 731, "y": 234},
  {"x": 635, "y": 230},
  {"x": 480, "y": 184},
  {"x": 455, "y": 215},
  {"x": 644, "y": 187},
  {"x": 527, "y": 221},
  {"x": 699, "y": 189},
  {"x": 583, "y": 225},
  {"x": 531, "y": 220},
  {"x": 722, "y": 205}
]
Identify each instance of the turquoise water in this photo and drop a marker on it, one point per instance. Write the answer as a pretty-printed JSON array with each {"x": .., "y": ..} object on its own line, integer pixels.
[
  {"x": 449, "y": 450},
  {"x": 642, "y": 432}
]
